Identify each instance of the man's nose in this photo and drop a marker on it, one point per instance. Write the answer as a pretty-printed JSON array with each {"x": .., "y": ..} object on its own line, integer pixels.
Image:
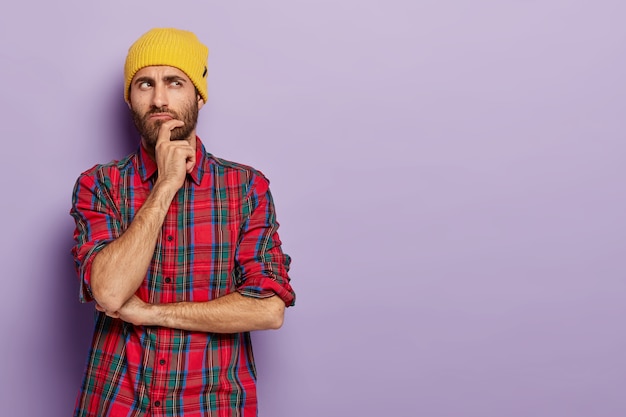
[{"x": 159, "y": 98}]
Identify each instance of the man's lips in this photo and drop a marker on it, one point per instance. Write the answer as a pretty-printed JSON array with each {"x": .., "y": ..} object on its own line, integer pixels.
[{"x": 161, "y": 116}]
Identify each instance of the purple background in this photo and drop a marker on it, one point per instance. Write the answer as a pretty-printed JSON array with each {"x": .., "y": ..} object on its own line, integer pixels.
[{"x": 448, "y": 176}]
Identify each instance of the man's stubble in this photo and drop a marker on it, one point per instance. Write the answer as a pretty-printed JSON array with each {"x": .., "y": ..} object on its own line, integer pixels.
[{"x": 149, "y": 130}]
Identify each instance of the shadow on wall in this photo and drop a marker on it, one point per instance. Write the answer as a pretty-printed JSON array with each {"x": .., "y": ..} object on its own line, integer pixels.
[
  {"x": 122, "y": 126},
  {"x": 73, "y": 321}
]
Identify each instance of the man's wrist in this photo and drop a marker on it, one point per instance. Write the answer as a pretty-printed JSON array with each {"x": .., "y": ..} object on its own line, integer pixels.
[
  {"x": 163, "y": 192},
  {"x": 152, "y": 313}
]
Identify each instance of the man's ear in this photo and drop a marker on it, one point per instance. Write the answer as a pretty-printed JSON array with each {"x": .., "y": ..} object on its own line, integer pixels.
[{"x": 200, "y": 102}]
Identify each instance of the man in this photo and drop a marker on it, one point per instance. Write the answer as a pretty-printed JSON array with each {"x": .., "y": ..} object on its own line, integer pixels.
[{"x": 179, "y": 250}]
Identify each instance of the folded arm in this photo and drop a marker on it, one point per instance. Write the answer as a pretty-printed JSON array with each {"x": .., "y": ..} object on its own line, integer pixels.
[
  {"x": 232, "y": 313},
  {"x": 262, "y": 291}
]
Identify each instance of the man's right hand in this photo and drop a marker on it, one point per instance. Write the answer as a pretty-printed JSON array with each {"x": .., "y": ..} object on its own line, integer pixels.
[{"x": 174, "y": 159}]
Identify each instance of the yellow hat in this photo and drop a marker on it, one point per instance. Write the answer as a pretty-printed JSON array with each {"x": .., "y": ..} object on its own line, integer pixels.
[{"x": 173, "y": 47}]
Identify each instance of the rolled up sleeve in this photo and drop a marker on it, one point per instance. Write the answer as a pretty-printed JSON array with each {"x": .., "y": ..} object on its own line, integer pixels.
[
  {"x": 97, "y": 224},
  {"x": 263, "y": 265}
]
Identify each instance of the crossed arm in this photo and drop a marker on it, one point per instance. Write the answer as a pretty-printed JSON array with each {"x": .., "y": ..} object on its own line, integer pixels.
[
  {"x": 118, "y": 269},
  {"x": 232, "y": 313}
]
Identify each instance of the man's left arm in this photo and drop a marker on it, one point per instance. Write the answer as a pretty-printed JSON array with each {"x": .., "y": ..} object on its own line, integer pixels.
[
  {"x": 231, "y": 313},
  {"x": 261, "y": 295}
]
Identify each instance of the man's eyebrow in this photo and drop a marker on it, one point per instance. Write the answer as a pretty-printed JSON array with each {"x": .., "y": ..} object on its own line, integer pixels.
[
  {"x": 143, "y": 80},
  {"x": 170, "y": 78}
]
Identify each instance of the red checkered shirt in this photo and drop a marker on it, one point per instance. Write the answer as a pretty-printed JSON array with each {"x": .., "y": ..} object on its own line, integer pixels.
[{"x": 219, "y": 236}]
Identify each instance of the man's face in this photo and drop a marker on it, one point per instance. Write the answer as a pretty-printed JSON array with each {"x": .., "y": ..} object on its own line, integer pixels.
[{"x": 161, "y": 93}]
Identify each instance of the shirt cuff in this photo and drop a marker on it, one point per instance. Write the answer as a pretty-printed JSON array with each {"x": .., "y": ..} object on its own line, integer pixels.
[{"x": 267, "y": 287}]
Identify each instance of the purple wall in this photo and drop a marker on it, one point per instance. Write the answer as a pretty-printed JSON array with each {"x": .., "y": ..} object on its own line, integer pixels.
[{"x": 449, "y": 176}]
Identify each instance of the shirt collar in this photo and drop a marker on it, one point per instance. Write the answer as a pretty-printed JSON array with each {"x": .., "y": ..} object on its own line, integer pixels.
[{"x": 147, "y": 168}]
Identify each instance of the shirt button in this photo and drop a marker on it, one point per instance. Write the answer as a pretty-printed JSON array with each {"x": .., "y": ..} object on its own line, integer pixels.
[
  {"x": 162, "y": 361},
  {"x": 157, "y": 403},
  {"x": 168, "y": 280},
  {"x": 170, "y": 238}
]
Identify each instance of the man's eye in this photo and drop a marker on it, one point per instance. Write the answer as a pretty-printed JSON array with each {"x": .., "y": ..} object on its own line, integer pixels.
[
  {"x": 176, "y": 83},
  {"x": 144, "y": 85}
]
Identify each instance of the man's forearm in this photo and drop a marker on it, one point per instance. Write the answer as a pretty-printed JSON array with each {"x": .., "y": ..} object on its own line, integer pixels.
[
  {"x": 232, "y": 313},
  {"x": 119, "y": 269}
]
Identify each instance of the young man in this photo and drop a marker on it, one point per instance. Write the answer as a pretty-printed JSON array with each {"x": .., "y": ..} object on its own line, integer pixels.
[{"x": 180, "y": 252}]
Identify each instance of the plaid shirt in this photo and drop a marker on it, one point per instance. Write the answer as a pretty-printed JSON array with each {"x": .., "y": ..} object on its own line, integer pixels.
[{"x": 219, "y": 236}]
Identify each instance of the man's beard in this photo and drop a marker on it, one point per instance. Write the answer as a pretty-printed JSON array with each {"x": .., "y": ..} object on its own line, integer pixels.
[{"x": 149, "y": 130}]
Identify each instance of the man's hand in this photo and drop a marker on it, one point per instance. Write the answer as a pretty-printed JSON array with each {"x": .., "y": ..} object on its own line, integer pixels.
[
  {"x": 174, "y": 158},
  {"x": 135, "y": 311}
]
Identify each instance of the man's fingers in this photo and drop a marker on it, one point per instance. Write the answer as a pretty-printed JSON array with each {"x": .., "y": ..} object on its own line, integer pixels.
[
  {"x": 191, "y": 162},
  {"x": 174, "y": 158},
  {"x": 165, "y": 131}
]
